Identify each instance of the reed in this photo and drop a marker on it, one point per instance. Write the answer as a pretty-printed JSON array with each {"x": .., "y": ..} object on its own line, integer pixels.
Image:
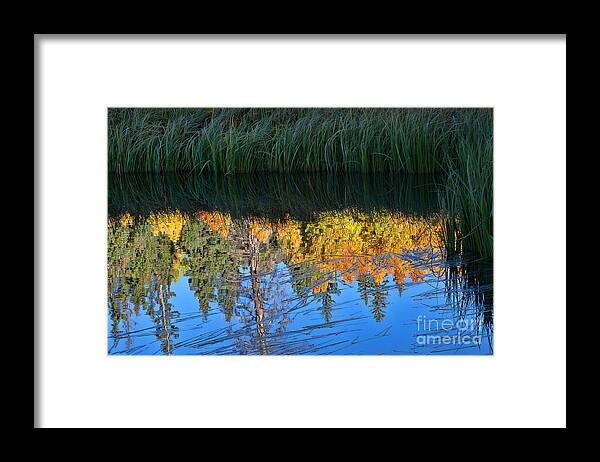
[
  {"x": 235, "y": 140},
  {"x": 467, "y": 196}
]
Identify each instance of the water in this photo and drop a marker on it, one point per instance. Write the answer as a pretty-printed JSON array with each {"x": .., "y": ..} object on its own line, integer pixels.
[{"x": 296, "y": 264}]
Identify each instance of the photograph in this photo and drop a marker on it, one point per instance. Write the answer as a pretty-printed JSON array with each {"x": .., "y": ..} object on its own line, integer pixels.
[{"x": 300, "y": 231}]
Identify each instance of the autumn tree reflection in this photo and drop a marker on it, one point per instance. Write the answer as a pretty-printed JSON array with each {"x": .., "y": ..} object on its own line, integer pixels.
[{"x": 214, "y": 251}]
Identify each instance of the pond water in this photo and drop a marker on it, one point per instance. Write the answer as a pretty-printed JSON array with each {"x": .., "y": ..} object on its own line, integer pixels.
[{"x": 295, "y": 264}]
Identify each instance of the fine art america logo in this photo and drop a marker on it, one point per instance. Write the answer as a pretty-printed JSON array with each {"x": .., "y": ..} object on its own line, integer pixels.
[{"x": 446, "y": 332}]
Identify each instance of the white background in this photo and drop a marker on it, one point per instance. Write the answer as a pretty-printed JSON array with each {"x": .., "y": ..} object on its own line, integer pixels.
[{"x": 523, "y": 384}]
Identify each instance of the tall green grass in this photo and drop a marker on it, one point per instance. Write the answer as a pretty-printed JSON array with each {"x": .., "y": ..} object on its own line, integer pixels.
[
  {"x": 234, "y": 140},
  {"x": 467, "y": 196},
  {"x": 456, "y": 142}
]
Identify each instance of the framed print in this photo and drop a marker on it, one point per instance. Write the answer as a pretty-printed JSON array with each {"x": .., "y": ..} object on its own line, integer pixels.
[{"x": 342, "y": 231}]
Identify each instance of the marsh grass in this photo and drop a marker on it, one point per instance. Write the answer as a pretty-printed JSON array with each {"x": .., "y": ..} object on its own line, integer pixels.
[
  {"x": 456, "y": 143},
  {"x": 467, "y": 196},
  {"x": 234, "y": 140}
]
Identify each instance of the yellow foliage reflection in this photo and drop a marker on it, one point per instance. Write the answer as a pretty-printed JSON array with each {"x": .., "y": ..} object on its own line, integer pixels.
[
  {"x": 168, "y": 223},
  {"x": 126, "y": 219},
  {"x": 364, "y": 243},
  {"x": 217, "y": 222},
  {"x": 261, "y": 228}
]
